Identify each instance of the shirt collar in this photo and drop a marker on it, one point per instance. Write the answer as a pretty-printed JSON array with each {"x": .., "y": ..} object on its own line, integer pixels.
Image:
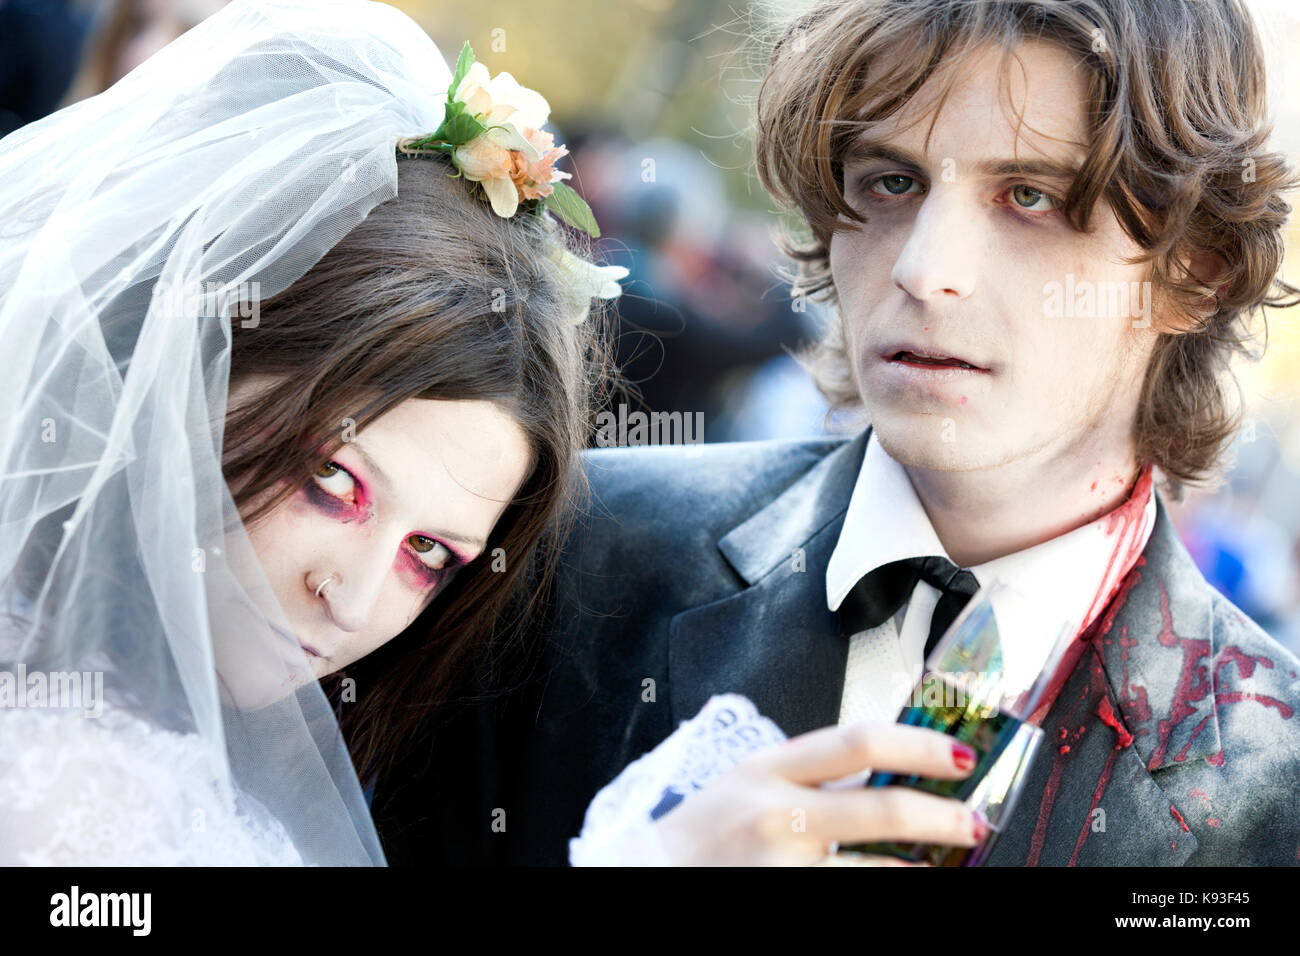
[
  {"x": 1076, "y": 573},
  {"x": 884, "y": 522}
]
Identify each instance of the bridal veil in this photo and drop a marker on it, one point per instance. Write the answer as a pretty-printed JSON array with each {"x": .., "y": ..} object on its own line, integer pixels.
[{"x": 138, "y": 231}]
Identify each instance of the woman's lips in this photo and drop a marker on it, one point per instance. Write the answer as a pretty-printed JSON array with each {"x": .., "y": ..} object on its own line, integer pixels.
[{"x": 309, "y": 649}]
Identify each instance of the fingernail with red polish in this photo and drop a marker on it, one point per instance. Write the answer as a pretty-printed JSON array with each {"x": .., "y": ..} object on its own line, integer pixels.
[
  {"x": 963, "y": 755},
  {"x": 981, "y": 827}
]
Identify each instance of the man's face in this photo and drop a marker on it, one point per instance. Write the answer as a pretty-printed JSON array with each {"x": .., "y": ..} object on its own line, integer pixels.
[{"x": 965, "y": 256}]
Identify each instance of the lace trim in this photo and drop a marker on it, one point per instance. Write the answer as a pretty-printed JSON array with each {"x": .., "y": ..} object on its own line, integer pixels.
[{"x": 619, "y": 826}]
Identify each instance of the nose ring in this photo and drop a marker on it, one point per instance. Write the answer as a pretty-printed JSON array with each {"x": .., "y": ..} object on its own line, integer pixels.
[{"x": 320, "y": 587}]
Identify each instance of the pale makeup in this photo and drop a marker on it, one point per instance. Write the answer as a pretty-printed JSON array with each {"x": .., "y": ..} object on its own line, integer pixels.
[
  {"x": 363, "y": 546},
  {"x": 956, "y": 257}
]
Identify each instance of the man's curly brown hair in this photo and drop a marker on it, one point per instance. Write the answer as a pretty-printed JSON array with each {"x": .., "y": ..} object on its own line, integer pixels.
[{"x": 1178, "y": 148}]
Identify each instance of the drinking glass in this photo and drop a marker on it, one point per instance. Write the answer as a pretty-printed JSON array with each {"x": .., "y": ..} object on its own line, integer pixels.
[{"x": 980, "y": 684}]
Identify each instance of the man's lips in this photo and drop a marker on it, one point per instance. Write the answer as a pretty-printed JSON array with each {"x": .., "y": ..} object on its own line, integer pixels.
[{"x": 924, "y": 357}]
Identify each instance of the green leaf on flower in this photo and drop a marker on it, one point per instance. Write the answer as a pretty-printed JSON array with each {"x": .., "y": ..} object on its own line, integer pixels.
[
  {"x": 452, "y": 109},
  {"x": 565, "y": 203},
  {"x": 433, "y": 141},
  {"x": 463, "y": 63},
  {"x": 458, "y": 127}
]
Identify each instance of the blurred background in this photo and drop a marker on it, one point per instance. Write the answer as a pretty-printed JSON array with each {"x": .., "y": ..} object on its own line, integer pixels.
[{"x": 652, "y": 99}]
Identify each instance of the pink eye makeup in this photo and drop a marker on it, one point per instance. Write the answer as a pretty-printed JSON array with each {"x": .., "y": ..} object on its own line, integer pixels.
[
  {"x": 338, "y": 493},
  {"x": 415, "y": 561}
]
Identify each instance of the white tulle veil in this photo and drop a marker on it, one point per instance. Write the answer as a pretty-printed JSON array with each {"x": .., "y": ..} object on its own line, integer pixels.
[{"x": 136, "y": 228}]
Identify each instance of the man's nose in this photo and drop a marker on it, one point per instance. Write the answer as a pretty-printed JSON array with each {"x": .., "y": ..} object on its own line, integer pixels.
[{"x": 939, "y": 257}]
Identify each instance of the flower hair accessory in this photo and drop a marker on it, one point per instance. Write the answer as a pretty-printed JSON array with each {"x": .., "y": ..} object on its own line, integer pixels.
[
  {"x": 492, "y": 132},
  {"x": 590, "y": 280}
]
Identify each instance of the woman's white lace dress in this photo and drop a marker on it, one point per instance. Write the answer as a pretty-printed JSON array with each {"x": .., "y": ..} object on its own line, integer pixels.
[{"x": 116, "y": 791}]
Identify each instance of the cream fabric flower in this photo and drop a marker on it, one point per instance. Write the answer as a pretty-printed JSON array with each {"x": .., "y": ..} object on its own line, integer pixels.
[
  {"x": 484, "y": 160},
  {"x": 492, "y": 132},
  {"x": 509, "y": 111},
  {"x": 591, "y": 281},
  {"x": 500, "y": 99}
]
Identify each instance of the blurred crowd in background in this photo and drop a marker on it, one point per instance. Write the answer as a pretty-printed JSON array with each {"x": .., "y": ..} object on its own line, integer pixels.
[{"x": 651, "y": 97}]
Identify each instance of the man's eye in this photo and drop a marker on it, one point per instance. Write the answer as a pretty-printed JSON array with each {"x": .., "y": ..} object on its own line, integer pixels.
[
  {"x": 433, "y": 553},
  {"x": 334, "y": 480},
  {"x": 892, "y": 185},
  {"x": 1035, "y": 200}
]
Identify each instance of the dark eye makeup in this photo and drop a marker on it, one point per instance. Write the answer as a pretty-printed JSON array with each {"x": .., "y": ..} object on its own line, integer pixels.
[
  {"x": 353, "y": 507},
  {"x": 901, "y": 184}
]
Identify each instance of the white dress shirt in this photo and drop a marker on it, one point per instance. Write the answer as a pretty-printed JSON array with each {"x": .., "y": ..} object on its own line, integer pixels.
[{"x": 1070, "y": 577}]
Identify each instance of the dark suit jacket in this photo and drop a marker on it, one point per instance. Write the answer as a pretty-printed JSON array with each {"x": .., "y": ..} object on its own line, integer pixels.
[{"x": 701, "y": 570}]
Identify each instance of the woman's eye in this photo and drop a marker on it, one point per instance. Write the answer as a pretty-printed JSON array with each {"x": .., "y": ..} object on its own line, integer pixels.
[
  {"x": 893, "y": 185},
  {"x": 433, "y": 553},
  {"x": 334, "y": 480},
  {"x": 1035, "y": 200}
]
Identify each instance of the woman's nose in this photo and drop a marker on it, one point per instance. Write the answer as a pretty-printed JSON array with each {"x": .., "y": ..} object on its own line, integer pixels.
[{"x": 358, "y": 579}]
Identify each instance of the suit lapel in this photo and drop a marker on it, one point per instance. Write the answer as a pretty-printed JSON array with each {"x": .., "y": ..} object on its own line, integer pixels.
[
  {"x": 775, "y": 641},
  {"x": 1140, "y": 700}
]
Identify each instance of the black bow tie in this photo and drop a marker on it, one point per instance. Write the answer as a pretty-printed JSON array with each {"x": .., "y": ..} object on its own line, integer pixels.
[{"x": 879, "y": 595}]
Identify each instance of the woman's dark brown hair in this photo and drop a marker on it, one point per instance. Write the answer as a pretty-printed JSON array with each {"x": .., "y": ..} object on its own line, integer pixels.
[
  {"x": 1178, "y": 148},
  {"x": 432, "y": 296}
]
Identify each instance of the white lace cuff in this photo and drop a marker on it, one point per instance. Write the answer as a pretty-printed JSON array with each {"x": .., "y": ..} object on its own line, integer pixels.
[{"x": 619, "y": 827}]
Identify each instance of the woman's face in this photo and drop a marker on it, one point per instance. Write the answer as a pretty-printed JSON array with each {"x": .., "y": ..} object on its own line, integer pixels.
[{"x": 362, "y": 548}]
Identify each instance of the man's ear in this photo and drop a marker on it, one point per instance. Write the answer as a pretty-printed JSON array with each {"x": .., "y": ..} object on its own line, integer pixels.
[{"x": 1209, "y": 268}]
